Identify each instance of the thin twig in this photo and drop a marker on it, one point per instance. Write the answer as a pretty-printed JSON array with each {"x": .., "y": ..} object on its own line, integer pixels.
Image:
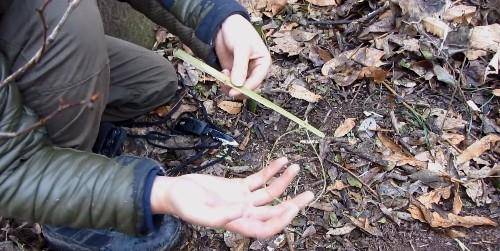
[
  {"x": 41, "y": 14},
  {"x": 356, "y": 177},
  {"x": 347, "y": 21},
  {"x": 43, "y": 121},
  {"x": 45, "y": 46},
  {"x": 323, "y": 172}
]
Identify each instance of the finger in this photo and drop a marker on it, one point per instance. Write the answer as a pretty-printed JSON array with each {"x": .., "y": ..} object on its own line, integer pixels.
[
  {"x": 240, "y": 65},
  {"x": 226, "y": 88},
  {"x": 264, "y": 213},
  {"x": 277, "y": 224},
  {"x": 260, "y": 178},
  {"x": 257, "y": 74},
  {"x": 276, "y": 188},
  {"x": 264, "y": 229}
]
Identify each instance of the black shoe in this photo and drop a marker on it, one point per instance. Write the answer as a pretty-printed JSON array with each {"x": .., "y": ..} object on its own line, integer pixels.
[
  {"x": 64, "y": 238},
  {"x": 110, "y": 140}
]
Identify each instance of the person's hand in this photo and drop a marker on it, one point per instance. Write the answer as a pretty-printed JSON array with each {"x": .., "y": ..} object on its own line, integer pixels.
[
  {"x": 238, "y": 205},
  {"x": 242, "y": 53}
]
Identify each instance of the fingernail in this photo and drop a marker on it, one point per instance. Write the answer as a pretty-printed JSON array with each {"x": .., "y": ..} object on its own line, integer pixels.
[{"x": 294, "y": 168}]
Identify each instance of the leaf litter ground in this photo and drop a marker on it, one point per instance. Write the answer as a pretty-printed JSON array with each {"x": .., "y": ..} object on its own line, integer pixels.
[{"x": 407, "y": 94}]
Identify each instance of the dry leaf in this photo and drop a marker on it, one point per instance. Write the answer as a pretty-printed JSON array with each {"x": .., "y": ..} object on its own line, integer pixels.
[
  {"x": 209, "y": 106},
  {"x": 347, "y": 228},
  {"x": 346, "y": 78},
  {"x": 478, "y": 148},
  {"x": 364, "y": 224},
  {"x": 452, "y": 233},
  {"x": 302, "y": 36},
  {"x": 230, "y": 106},
  {"x": 459, "y": 12},
  {"x": 324, "y": 206},
  {"x": 300, "y": 92},
  {"x": 377, "y": 73},
  {"x": 475, "y": 191},
  {"x": 275, "y": 6},
  {"x": 436, "y": 27},
  {"x": 457, "y": 201},
  {"x": 162, "y": 111},
  {"x": 435, "y": 196},
  {"x": 323, "y": 2},
  {"x": 337, "y": 185},
  {"x": 365, "y": 56},
  {"x": 368, "y": 56},
  {"x": 286, "y": 44},
  {"x": 345, "y": 127},
  {"x": 420, "y": 212},
  {"x": 475, "y": 54},
  {"x": 485, "y": 37},
  {"x": 183, "y": 109},
  {"x": 447, "y": 120},
  {"x": 494, "y": 64},
  {"x": 453, "y": 138},
  {"x": 397, "y": 156}
]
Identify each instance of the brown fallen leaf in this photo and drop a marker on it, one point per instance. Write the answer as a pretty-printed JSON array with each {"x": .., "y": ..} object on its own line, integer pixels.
[
  {"x": 485, "y": 37},
  {"x": 337, "y": 185},
  {"x": 457, "y": 201},
  {"x": 436, "y": 27},
  {"x": 286, "y": 44},
  {"x": 366, "y": 56},
  {"x": 345, "y": 127},
  {"x": 300, "y": 92},
  {"x": 453, "y": 138},
  {"x": 323, "y": 2},
  {"x": 378, "y": 74},
  {"x": 183, "y": 109},
  {"x": 347, "y": 228},
  {"x": 452, "y": 233},
  {"x": 397, "y": 156},
  {"x": 302, "y": 36},
  {"x": 364, "y": 224},
  {"x": 475, "y": 54},
  {"x": 230, "y": 106},
  {"x": 434, "y": 219},
  {"x": 478, "y": 148},
  {"x": 324, "y": 206},
  {"x": 447, "y": 120},
  {"x": 435, "y": 196},
  {"x": 275, "y": 6},
  {"x": 459, "y": 12}
]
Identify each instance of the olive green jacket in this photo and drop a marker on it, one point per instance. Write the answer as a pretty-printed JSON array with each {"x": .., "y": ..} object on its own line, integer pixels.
[{"x": 43, "y": 183}]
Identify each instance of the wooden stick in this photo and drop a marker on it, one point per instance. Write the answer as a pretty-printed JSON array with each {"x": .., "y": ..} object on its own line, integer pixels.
[{"x": 200, "y": 65}]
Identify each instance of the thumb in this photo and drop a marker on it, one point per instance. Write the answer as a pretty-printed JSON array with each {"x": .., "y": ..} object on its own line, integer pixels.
[{"x": 240, "y": 66}]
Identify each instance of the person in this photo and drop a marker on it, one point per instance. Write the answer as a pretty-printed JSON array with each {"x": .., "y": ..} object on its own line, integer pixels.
[{"x": 87, "y": 201}]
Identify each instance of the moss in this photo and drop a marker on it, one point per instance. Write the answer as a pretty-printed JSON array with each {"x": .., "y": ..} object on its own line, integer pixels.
[{"x": 121, "y": 21}]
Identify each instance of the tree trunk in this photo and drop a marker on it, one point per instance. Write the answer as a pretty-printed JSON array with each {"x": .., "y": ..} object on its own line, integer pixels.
[{"x": 121, "y": 21}]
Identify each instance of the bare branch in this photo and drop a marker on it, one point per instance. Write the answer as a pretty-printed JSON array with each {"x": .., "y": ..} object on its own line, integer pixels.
[
  {"x": 45, "y": 46},
  {"x": 62, "y": 106},
  {"x": 41, "y": 14}
]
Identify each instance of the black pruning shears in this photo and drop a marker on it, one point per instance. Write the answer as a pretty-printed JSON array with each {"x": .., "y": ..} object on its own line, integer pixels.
[{"x": 198, "y": 127}]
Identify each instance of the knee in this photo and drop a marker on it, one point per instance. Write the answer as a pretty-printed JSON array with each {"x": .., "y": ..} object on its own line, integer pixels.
[{"x": 164, "y": 82}]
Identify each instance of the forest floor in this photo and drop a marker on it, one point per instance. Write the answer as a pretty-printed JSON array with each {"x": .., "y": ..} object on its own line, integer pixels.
[{"x": 407, "y": 94}]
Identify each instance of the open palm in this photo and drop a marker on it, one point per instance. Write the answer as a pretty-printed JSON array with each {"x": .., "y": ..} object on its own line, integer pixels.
[{"x": 238, "y": 205}]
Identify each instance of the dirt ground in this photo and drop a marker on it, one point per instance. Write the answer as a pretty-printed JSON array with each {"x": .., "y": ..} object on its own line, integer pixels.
[{"x": 410, "y": 161}]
